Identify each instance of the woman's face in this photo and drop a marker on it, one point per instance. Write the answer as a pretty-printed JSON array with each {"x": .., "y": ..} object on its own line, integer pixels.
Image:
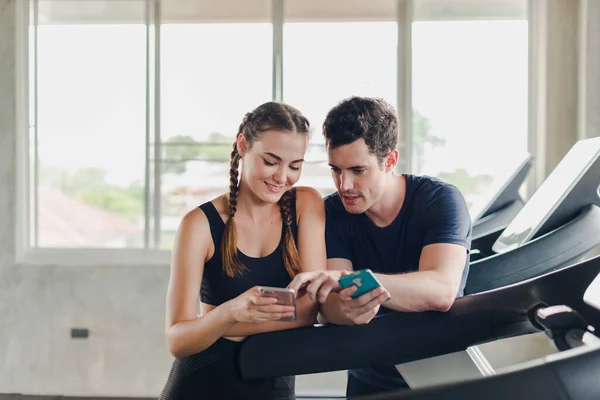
[{"x": 272, "y": 164}]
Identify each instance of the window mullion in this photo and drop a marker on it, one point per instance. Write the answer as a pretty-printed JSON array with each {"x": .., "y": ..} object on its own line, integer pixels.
[
  {"x": 157, "y": 126},
  {"x": 277, "y": 21},
  {"x": 404, "y": 14},
  {"x": 36, "y": 157},
  {"x": 147, "y": 168}
]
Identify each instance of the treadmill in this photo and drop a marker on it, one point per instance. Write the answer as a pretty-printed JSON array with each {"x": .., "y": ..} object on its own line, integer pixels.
[
  {"x": 473, "y": 319},
  {"x": 558, "y": 226},
  {"x": 493, "y": 215},
  {"x": 564, "y": 218},
  {"x": 568, "y": 375}
]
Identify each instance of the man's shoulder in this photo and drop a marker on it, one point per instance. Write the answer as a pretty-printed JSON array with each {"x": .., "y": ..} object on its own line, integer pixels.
[
  {"x": 427, "y": 188},
  {"x": 333, "y": 204},
  {"x": 427, "y": 183}
]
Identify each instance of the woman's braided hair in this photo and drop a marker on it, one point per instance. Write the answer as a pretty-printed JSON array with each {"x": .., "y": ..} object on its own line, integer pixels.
[{"x": 271, "y": 116}]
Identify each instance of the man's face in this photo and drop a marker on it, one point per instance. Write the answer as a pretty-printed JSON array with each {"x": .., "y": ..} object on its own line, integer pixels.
[{"x": 359, "y": 177}]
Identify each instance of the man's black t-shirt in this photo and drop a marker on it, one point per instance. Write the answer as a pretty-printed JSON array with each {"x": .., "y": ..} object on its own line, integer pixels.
[{"x": 433, "y": 212}]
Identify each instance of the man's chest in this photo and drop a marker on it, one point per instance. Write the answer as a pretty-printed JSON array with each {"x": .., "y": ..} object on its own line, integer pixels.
[{"x": 388, "y": 252}]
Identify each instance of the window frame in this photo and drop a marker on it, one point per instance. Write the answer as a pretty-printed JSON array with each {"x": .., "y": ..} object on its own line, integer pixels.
[{"x": 149, "y": 256}]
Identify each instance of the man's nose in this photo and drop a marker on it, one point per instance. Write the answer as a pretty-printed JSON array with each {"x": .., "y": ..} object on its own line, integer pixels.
[{"x": 345, "y": 182}]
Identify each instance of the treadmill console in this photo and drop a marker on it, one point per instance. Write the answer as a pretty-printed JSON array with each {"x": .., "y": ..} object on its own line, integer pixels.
[
  {"x": 501, "y": 187},
  {"x": 552, "y": 194}
]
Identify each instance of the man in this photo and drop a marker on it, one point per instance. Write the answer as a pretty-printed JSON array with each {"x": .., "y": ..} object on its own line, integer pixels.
[{"x": 413, "y": 232}]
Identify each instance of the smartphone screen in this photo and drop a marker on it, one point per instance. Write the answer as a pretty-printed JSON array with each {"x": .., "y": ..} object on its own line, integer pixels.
[{"x": 285, "y": 297}]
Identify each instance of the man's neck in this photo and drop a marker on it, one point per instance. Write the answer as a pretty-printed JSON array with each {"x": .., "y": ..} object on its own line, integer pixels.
[{"x": 387, "y": 209}]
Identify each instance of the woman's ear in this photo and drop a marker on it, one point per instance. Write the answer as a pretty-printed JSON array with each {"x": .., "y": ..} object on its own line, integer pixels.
[{"x": 242, "y": 144}]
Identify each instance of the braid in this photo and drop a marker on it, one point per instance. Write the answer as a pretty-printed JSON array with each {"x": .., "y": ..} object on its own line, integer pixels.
[
  {"x": 234, "y": 186},
  {"x": 231, "y": 263},
  {"x": 291, "y": 258}
]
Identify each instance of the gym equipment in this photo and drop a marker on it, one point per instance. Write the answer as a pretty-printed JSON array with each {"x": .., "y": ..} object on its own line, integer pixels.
[
  {"x": 397, "y": 338},
  {"x": 555, "y": 228},
  {"x": 493, "y": 215}
]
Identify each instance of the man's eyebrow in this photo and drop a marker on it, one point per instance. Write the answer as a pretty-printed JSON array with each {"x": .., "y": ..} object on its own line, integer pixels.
[
  {"x": 353, "y": 167},
  {"x": 275, "y": 156}
]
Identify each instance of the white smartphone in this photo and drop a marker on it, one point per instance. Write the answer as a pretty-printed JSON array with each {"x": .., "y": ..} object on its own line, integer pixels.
[{"x": 285, "y": 297}]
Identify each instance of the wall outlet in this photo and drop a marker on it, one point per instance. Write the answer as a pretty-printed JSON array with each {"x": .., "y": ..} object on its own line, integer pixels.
[{"x": 80, "y": 333}]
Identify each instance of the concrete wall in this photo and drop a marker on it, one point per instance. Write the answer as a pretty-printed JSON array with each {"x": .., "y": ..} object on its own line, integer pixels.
[
  {"x": 123, "y": 307},
  {"x": 566, "y": 88}
]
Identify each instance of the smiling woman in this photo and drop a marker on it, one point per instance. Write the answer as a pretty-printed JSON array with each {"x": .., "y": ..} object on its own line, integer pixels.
[
  {"x": 262, "y": 233},
  {"x": 266, "y": 175}
]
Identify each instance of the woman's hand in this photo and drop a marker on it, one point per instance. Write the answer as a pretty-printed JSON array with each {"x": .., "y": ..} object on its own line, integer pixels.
[
  {"x": 317, "y": 284},
  {"x": 251, "y": 307}
]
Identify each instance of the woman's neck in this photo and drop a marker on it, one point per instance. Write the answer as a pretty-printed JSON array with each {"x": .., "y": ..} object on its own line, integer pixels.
[{"x": 249, "y": 206}]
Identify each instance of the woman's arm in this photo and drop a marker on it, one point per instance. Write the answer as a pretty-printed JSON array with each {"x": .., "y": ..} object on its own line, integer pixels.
[
  {"x": 310, "y": 213},
  {"x": 305, "y": 316},
  {"x": 186, "y": 332}
]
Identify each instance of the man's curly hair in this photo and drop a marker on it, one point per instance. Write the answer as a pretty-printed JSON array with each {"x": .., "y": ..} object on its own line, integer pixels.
[{"x": 371, "y": 119}]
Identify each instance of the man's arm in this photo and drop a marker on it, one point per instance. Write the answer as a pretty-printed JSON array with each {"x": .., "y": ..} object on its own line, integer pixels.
[
  {"x": 341, "y": 309},
  {"x": 446, "y": 240},
  {"x": 434, "y": 286},
  {"x": 330, "y": 310}
]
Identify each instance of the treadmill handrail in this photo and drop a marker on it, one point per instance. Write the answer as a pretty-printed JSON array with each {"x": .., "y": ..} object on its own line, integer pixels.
[
  {"x": 396, "y": 338},
  {"x": 544, "y": 254}
]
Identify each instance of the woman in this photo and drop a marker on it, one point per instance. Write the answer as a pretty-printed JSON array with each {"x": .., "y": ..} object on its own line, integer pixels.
[{"x": 262, "y": 232}]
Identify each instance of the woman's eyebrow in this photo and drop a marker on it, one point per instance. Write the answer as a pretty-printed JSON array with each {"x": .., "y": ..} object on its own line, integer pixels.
[{"x": 275, "y": 156}]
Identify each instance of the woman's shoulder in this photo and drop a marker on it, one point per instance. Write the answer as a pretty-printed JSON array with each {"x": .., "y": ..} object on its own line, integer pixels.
[
  {"x": 195, "y": 223},
  {"x": 219, "y": 205},
  {"x": 308, "y": 199},
  {"x": 198, "y": 220}
]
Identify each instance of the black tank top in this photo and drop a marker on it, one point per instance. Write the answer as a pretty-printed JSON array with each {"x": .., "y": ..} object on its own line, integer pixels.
[{"x": 217, "y": 287}]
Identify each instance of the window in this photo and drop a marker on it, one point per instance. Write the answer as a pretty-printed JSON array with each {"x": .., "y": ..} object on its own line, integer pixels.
[
  {"x": 88, "y": 131},
  {"x": 212, "y": 74},
  {"x": 469, "y": 90},
  {"x": 96, "y": 108},
  {"x": 134, "y": 104},
  {"x": 330, "y": 58}
]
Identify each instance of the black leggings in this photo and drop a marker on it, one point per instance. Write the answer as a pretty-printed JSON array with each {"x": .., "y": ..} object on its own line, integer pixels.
[{"x": 212, "y": 374}]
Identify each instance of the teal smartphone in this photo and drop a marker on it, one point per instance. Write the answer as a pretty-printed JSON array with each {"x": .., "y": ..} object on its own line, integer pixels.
[{"x": 364, "y": 280}]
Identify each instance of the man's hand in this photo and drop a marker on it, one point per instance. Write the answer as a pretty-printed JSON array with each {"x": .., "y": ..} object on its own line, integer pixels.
[
  {"x": 362, "y": 309},
  {"x": 317, "y": 284}
]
